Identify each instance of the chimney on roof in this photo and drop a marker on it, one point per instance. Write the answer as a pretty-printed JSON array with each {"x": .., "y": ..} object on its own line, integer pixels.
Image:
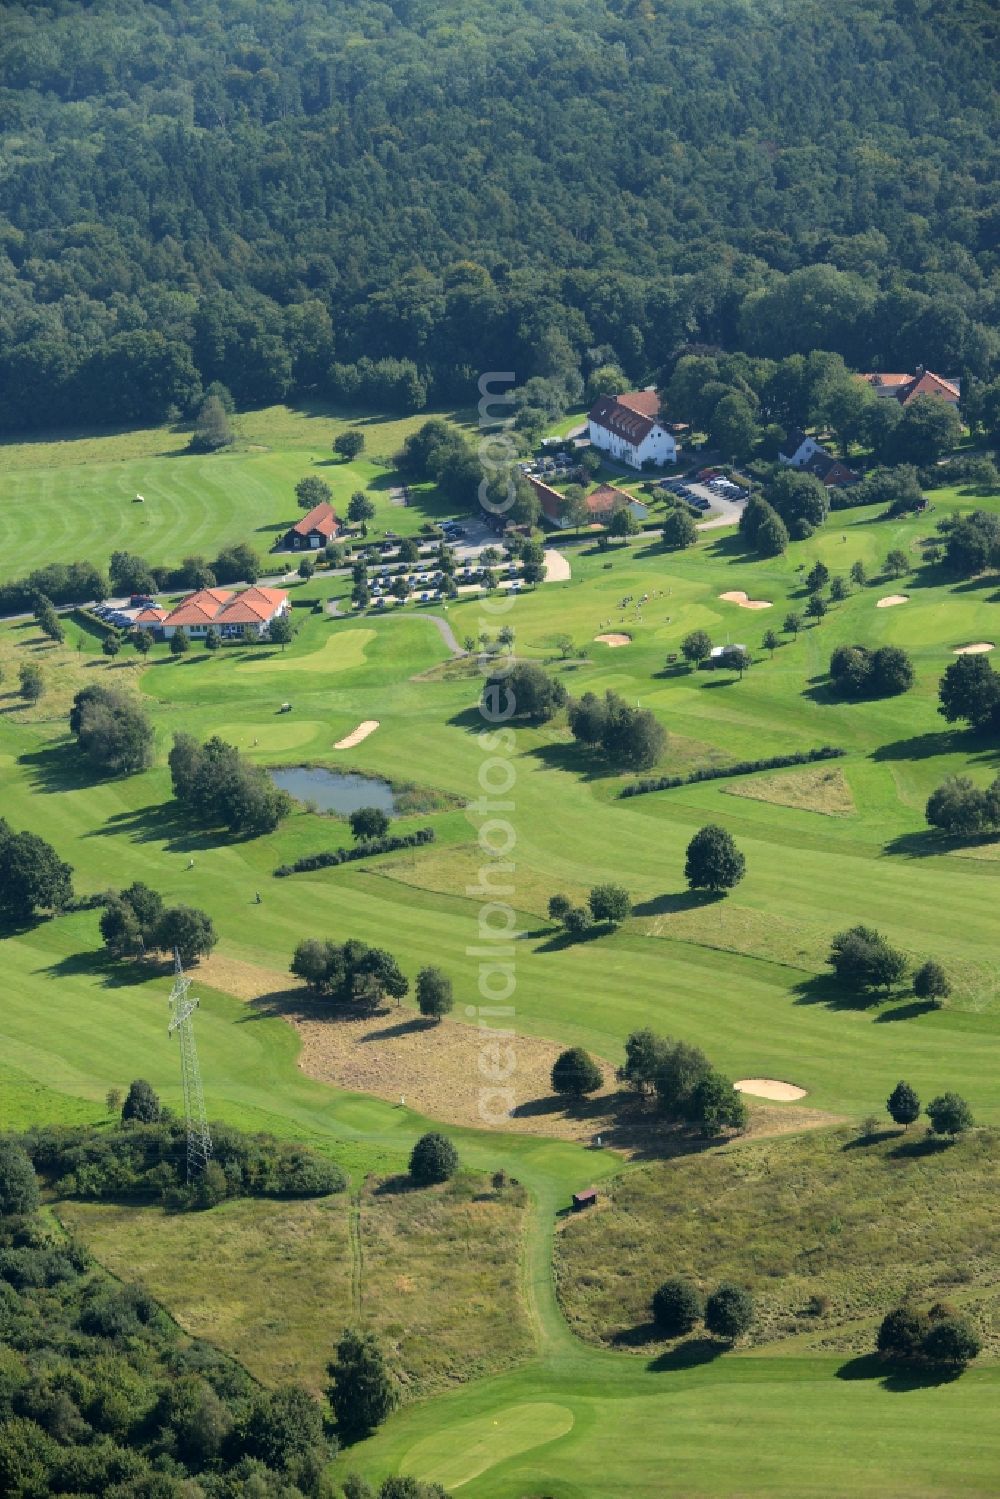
[{"x": 920, "y": 371}]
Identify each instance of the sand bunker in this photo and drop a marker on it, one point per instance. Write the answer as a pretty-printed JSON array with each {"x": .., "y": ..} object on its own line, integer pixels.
[
  {"x": 977, "y": 648},
  {"x": 614, "y": 640},
  {"x": 769, "y": 1087},
  {"x": 737, "y": 596},
  {"x": 557, "y": 569},
  {"x": 891, "y": 599},
  {"x": 356, "y": 735}
]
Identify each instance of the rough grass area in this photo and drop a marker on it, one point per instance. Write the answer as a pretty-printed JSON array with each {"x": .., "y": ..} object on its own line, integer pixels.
[
  {"x": 435, "y": 1271},
  {"x": 827, "y": 1230},
  {"x": 441, "y": 1278},
  {"x": 820, "y": 789}
]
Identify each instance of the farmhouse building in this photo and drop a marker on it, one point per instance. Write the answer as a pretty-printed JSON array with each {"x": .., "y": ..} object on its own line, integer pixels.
[
  {"x": 602, "y": 502},
  {"x": 804, "y": 452},
  {"x": 627, "y": 427},
  {"x": 313, "y": 530},
  {"x": 906, "y": 388},
  {"x": 226, "y": 612}
]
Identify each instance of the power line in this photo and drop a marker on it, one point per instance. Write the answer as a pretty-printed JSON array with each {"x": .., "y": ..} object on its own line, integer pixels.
[{"x": 182, "y": 1007}]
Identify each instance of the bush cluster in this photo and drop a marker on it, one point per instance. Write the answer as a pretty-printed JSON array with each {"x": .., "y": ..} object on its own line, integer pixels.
[
  {"x": 939, "y": 1336},
  {"x": 631, "y": 738},
  {"x": 112, "y": 729},
  {"x": 216, "y": 783},
  {"x": 351, "y": 971},
  {"x": 739, "y": 768},
  {"x": 135, "y": 921},
  {"x": 678, "y": 1306},
  {"x": 862, "y": 958},
  {"x": 103, "y": 1394},
  {"x": 682, "y": 1080},
  {"x": 146, "y": 1159},
  {"x": 948, "y": 1113},
  {"x": 61, "y": 583},
  {"x": 365, "y": 850},
  {"x": 524, "y": 691},
  {"x": 858, "y": 672},
  {"x": 958, "y": 807}
]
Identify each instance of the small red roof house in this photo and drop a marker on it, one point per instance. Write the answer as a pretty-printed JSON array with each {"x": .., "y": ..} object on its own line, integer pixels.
[
  {"x": 150, "y": 618},
  {"x": 601, "y": 503},
  {"x": 228, "y": 613},
  {"x": 627, "y": 427},
  {"x": 313, "y": 530},
  {"x": 906, "y": 388},
  {"x": 830, "y": 471},
  {"x": 585, "y": 1199}
]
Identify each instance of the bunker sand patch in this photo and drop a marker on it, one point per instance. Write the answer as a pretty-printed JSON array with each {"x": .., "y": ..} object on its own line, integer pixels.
[
  {"x": 737, "y": 596},
  {"x": 614, "y": 641},
  {"x": 356, "y": 735},
  {"x": 892, "y": 599}
]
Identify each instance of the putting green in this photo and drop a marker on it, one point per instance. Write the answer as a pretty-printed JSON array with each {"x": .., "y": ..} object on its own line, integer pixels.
[
  {"x": 342, "y": 651},
  {"x": 283, "y": 735},
  {"x": 460, "y": 1453}
]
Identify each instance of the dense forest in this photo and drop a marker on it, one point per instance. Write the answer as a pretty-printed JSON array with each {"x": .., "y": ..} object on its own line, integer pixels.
[{"x": 267, "y": 193}]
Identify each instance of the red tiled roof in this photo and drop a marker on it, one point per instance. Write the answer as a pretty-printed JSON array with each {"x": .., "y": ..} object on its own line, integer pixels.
[
  {"x": 199, "y": 608},
  {"x": 253, "y": 606},
  {"x": 645, "y": 402},
  {"x": 928, "y": 384},
  {"x": 615, "y": 415},
  {"x": 150, "y": 616},
  {"x": 599, "y": 502},
  {"x": 321, "y": 518}
]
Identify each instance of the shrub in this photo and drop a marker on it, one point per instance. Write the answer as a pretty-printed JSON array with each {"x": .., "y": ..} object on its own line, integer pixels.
[
  {"x": 575, "y": 1073},
  {"x": 577, "y": 921},
  {"x": 369, "y": 822},
  {"x": 862, "y": 957},
  {"x": 951, "y": 1341},
  {"x": 903, "y": 1105},
  {"x": 677, "y": 1307},
  {"x": 366, "y": 850},
  {"x": 739, "y": 768},
  {"x": 949, "y": 1114},
  {"x": 610, "y": 903},
  {"x": 729, "y": 1311},
  {"x": 558, "y": 907},
  {"x": 141, "y": 1103},
  {"x": 434, "y": 993},
  {"x": 433, "y": 1159},
  {"x": 112, "y": 729},
  {"x": 18, "y": 1182},
  {"x": 931, "y": 982}
]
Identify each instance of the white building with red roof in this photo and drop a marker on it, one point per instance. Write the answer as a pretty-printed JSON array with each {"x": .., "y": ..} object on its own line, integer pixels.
[
  {"x": 627, "y": 427},
  {"x": 219, "y": 609}
]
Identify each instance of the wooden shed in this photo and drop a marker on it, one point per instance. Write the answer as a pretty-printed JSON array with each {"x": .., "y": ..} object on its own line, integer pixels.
[{"x": 584, "y": 1199}]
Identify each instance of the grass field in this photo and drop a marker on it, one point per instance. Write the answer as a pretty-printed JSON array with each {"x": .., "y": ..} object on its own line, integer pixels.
[
  {"x": 72, "y": 498},
  {"x": 744, "y": 977},
  {"x": 288, "y": 1277}
]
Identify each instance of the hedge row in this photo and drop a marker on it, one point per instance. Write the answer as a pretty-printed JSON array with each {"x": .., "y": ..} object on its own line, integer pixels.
[
  {"x": 358, "y": 851},
  {"x": 90, "y": 620},
  {"x": 740, "y": 768}
]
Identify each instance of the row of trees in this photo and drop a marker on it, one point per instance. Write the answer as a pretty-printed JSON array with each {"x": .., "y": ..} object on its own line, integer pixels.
[
  {"x": 219, "y": 787},
  {"x": 130, "y": 573},
  {"x": 949, "y": 1113}
]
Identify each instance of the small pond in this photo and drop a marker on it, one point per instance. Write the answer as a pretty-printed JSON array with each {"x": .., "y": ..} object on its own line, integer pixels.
[{"x": 334, "y": 790}]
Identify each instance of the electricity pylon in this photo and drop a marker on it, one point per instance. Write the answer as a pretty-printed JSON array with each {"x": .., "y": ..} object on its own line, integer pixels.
[{"x": 182, "y": 1007}]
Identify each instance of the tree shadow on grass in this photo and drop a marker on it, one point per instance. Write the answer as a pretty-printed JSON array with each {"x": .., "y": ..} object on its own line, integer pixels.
[
  {"x": 114, "y": 973},
  {"x": 875, "y": 1138},
  {"x": 926, "y": 844},
  {"x": 928, "y": 746},
  {"x": 824, "y": 989},
  {"x": 163, "y": 823},
  {"x": 560, "y": 940},
  {"x": 688, "y": 1355},
  {"x": 59, "y": 767},
  {"x": 921, "y": 1146},
  {"x": 672, "y": 902},
  {"x": 910, "y": 1011},
  {"x": 399, "y": 1186},
  {"x": 575, "y": 759},
  {"x": 899, "y": 1378}
]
